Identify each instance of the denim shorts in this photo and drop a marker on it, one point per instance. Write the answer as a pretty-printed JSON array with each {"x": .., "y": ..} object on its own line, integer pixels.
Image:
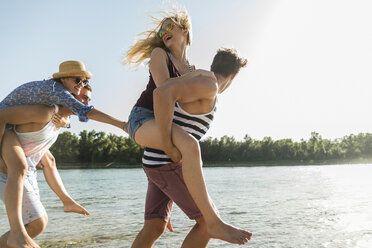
[
  {"x": 137, "y": 117},
  {"x": 3, "y": 106}
]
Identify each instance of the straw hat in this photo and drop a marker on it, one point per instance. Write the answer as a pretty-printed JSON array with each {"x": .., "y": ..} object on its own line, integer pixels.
[{"x": 72, "y": 68}]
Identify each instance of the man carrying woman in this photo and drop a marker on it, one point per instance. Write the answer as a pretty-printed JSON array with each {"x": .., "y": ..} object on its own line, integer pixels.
[
  {"x": 165, "y": 46},
  {"x": 69, "y": 81}
]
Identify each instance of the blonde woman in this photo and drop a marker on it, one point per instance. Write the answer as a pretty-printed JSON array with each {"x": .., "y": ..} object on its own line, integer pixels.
[{"x": 166, "y": 47}]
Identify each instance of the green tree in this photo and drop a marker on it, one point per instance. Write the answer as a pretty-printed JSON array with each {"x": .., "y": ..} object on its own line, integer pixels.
[{"x": 65, "y": 149}]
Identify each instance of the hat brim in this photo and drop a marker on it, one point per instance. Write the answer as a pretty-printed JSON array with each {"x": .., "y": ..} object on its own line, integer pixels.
[{"x": 85, "y": 74}]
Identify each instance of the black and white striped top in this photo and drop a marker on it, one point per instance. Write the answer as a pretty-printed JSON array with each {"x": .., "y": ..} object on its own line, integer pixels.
[{"x": 196, "y": 125}]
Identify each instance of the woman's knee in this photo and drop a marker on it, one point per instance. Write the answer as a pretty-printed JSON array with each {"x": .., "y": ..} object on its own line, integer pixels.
[
  {"x": 186, "y": 143},
  {"x": 48, "y": 161},
  {"x": 191, "y": 146}
]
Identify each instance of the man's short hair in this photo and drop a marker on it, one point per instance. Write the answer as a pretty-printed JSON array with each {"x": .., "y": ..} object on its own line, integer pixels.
[
  {"x": 88, "y": 87},
  {"x": 227, "y": 62}
]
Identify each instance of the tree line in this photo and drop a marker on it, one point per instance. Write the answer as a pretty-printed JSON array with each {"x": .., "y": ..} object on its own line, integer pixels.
[{"x": 98, "y": 147}]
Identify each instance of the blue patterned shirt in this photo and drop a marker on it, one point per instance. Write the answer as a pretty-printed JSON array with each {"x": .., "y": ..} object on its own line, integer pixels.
[{"x": 46, "y": 92}]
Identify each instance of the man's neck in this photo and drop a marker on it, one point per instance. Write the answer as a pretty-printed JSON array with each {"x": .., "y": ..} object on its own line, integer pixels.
[{"x": 221, "y": 80}]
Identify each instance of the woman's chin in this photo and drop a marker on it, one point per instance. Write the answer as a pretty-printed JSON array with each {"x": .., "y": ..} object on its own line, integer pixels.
[{"x": 169, "y": 44}]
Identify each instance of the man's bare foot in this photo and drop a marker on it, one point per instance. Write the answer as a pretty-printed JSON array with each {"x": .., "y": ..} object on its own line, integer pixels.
[
  {"x": 73, "y": 207},
  {"x": 20, "y": 240},
  {"x": 228, "y": 233}
]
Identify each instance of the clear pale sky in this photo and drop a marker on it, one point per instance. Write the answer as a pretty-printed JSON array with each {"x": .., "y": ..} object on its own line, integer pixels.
[{"x": 309, "y": 61}]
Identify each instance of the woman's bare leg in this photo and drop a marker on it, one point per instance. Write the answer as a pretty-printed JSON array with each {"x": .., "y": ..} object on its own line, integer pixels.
[
  {"x": 15, "y": 161},
  {"x": 148, "y": 135},
  {"x": 54, "y": 181}
]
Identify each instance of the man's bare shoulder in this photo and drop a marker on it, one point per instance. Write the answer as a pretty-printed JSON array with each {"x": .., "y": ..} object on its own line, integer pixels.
[{"x": 200, "y": 106}]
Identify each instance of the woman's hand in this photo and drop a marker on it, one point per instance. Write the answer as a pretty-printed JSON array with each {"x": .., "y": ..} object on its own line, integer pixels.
[
  {"x": 206, "y": 73},
  {"x": 60, "y": 121},
  {"x": 125, "y": 126},
  {"x": 173, "y": 153},
  {"x": 40, "y": 165}
]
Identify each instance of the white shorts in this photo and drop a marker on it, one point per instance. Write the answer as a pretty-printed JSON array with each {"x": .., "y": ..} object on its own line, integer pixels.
[{"x": 32, "y": 208}]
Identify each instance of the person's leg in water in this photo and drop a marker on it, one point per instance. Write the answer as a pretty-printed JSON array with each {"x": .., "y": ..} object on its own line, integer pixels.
[
  {"x": 151, "y": 231},
  {"x": 15, "y": 160},
  {"x": 147, "y": 135},
  {"x": 157, "y": 215},
  {"x": 54, "y": 181},
  {"x": 165, "y": 186},
  {"x": 198, "y": 237},
  {"x": 34, "y": 229}
]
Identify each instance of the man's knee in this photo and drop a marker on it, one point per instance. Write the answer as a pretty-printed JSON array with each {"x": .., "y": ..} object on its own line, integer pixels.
[
  {"x": 36, "y": 227},
  {"x": 159, "y": 230},
  {"x": 201, "y": 224},
  {"x": 155, "y": 226}
]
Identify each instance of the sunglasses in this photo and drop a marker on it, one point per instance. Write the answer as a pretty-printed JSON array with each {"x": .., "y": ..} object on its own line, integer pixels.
[
  {"x": 82, "y": 82},
  {"x": 169, "y": 27}
]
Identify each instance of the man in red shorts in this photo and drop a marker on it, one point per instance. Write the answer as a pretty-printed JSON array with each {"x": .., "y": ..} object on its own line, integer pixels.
[{"x": 191, "y": 104}]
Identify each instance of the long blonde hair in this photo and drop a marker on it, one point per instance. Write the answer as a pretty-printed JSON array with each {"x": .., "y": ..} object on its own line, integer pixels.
[{"x": 148, "y": 40}]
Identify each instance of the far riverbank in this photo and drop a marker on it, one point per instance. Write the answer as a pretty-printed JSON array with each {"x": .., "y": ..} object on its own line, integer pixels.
[{"x": 110, "y": 165}]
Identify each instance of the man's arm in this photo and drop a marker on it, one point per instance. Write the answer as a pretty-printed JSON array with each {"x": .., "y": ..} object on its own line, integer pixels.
[{"x": 182, "y": 91}]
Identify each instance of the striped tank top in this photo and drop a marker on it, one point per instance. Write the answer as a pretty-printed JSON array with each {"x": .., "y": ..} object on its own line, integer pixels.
[{"x": 196, "y": 125}]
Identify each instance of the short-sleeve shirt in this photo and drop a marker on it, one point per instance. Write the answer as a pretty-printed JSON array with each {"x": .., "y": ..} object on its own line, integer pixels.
[{"x": 47, "y": 92}]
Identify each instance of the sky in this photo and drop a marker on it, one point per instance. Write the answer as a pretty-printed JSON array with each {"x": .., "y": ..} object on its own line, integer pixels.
[{"x": 309, "y": 62}]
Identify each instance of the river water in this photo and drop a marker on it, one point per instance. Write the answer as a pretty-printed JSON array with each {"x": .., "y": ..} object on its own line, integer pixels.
[{"x": 284, "y": 206}]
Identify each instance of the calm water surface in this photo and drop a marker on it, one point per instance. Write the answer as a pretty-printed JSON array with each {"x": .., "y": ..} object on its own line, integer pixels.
[{"x": 294, "y": 206}]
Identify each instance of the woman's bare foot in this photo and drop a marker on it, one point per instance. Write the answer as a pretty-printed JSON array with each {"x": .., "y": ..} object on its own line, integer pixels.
[
  {"x": 228, "y": 233},
  {"x": 20, "y": 240},
  {"x": 73, "y": 207}
]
